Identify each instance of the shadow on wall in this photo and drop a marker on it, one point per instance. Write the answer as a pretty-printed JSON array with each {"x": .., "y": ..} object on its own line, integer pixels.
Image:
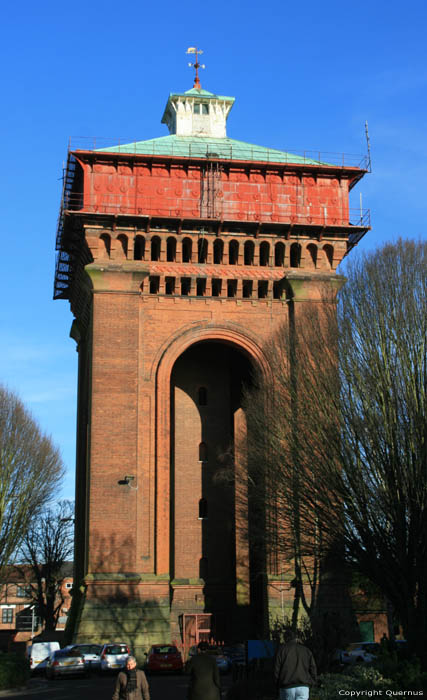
[{"x": 120, "y": 606}]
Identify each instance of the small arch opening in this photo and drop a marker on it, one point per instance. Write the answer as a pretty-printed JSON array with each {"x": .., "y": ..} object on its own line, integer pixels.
[
  {"x": 155, "y": 248},
  {"x": 171, "y": 249},
  {"x": 295, "y": 256},
  {"x": 123, "y": 245},
  {"x": 233, "y": 253},
  {"x": 202, "y": 250},
  {"x": 247, "y": 289},
  {"x": 105, "y": 245},
  {"x": 185, "y": 286},
  {"x": 279, "y": 254},
  {"x": 218, "y": 252},
  {"x": 187, "y": 249},
  {"x": 249, "y": 253},
  {"x": 264, "y": 253},
  {"x": 139, "y": 248},
  {"x": 312, "y": 250},
  {"x": 329, "y": 250}
]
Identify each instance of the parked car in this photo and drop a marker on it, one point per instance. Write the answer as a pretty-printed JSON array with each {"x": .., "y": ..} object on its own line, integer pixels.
[
  {"x": 164, "y": 657},
  {"x": 223, "y": 662},
  {"x": 235, "y": 653},
  {"x": 65, "y": 662},
  {"x": 91, "y": 654},
  {"x": 358, "y": 652},
  {"x": 38, "y": 654},
  {"x": 114, "y": 656}
]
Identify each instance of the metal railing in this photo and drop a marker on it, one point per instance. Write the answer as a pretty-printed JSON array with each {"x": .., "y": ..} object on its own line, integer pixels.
[
  {"x": 232, "y": 210},
  {"x": 189, "y": 147}
]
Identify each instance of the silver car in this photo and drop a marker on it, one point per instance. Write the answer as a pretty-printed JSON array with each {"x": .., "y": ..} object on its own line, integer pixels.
[
  {"x": 65, "y": 662},
  {"x": 91, "y": 654},
  {"x": 114, "y": 656}
]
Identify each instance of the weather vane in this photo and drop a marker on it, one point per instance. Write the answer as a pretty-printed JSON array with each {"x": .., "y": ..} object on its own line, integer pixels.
[{"x": 196, "y": 65}]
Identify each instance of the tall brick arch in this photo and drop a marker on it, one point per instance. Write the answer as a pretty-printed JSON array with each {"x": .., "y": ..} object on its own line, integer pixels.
[{"x": 239, "y": 340}]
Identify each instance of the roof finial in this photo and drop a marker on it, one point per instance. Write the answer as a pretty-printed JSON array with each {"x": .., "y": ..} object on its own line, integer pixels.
[{"x": 196, "y": 65}]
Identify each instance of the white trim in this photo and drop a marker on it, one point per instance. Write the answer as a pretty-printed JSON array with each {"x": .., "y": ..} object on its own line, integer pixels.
[{"x": 7, "y": 606}]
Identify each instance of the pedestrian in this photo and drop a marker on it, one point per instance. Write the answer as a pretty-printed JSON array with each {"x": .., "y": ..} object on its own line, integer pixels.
[
  {"x": 204, "y": 675},
  {"x": 294, "y": 670},
  {"x": 132, "y": 683}
]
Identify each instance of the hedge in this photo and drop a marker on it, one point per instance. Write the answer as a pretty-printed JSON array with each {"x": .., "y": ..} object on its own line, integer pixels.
[{"x": 14, "y": 671}]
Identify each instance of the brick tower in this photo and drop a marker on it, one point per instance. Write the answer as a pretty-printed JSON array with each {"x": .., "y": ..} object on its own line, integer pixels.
[{"x": 179, "y": 256}]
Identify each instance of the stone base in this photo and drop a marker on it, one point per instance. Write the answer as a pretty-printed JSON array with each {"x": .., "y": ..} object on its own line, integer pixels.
[{"x": 135, "y": 612}]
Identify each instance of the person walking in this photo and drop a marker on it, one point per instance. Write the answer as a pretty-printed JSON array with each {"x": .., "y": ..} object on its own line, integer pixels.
[
  {"x": 294, "y": 670},
  {"x": 204, "y": 675},
  {"x": 131, "y": 684}
]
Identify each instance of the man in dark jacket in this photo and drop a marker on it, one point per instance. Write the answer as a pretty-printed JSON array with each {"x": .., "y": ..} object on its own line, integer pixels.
[
  {"x": 204, "y": 675},
  {"x": 294, "y": 671}
]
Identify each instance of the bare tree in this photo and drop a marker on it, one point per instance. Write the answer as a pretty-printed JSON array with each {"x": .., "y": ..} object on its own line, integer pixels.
[
  {"x": 31, "y": 470},
  {"x": 338, "y": 434},
  {"x": 46, "y": 548}
]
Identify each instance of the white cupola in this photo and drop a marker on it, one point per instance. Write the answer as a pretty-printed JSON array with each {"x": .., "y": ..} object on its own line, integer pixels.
[{"x": 197, "y": 112}]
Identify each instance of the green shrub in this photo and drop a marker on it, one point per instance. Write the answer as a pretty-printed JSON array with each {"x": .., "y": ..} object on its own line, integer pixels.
[
  {"x": 14, "y": 671},
  {"x": 354, "y": 678}
]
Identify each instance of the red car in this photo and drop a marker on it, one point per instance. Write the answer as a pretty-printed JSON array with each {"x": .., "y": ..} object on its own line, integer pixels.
[{"x": 164, "y": 657}]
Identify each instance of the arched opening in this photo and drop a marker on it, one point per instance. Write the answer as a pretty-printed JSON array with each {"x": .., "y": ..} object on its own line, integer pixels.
[
  {"x": 105, "y": 245},
  {"x": 295, "y": 256},
  {"x": 233, "y": 253},
  {"x": 279, "y": 254},
  {"x": 218, "y": 250},
  {"x": 155, "y": 248},
  {"x": 264, "y": 253},
  {"x": 312, "y": 259},
  {"x": 249, "y": 253},
  {"x": 202, "y": 250},
  {"x": 139, "y": 248},
  {"x": 329, "y": 251},
  {"x": 204, "y": 442},
  {"x": 171, "y": 249},
  {"x": 122, "y": 246},
  {"x": 187, "y": 247}
]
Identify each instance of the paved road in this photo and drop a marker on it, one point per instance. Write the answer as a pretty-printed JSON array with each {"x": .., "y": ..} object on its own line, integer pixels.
[{"x": 100, "y": 688}]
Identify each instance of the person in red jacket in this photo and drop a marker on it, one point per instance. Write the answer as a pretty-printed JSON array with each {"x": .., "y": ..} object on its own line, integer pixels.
[{"x": 294, "y": 670}]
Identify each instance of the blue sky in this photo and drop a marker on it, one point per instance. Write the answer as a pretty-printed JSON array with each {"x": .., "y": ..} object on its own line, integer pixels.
[{"x": 304, "y": 77}]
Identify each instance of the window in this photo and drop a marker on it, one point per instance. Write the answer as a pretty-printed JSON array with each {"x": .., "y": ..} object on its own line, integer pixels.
[
  {"x": 23, "y": 591},
  {"x": 154, "y": 285},
  {"x": 203, "y": 452},
  {"x": 139, "y": 248},
  {"x": 264, "y": 253},
  {"x": 262, "y": 289},
  {"x": 231, "y": 288},
  {"x": 186, "y": 250},
  {"x": 201, "y": 108},
  {"x": 202, "y": 250},
  {"x": 170, "y": 285},
  {"x": 197, "y": 108},
  {"x": 233, "y": 252},
  {"x": 249, "y": 253},
  {"x": 155, "y": 248},
  {"x": 218, "y": 252},
  {"x": 279, "y": 255},
  {"x": 171, "y": 249},
  {"x": 203, "y": 509},
  {"x": 216, "y": 287},
  {"x": 295, "y": 255},
  {"x": 201, "y": 287},
  {"x": 7, "y": 616},
  {"x": 247, "y": 289},
  {"x": 185, "y": 285}
]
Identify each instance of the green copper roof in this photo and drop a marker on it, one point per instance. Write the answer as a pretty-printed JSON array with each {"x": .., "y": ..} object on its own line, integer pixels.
[{"x": 202, "y": 147}]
